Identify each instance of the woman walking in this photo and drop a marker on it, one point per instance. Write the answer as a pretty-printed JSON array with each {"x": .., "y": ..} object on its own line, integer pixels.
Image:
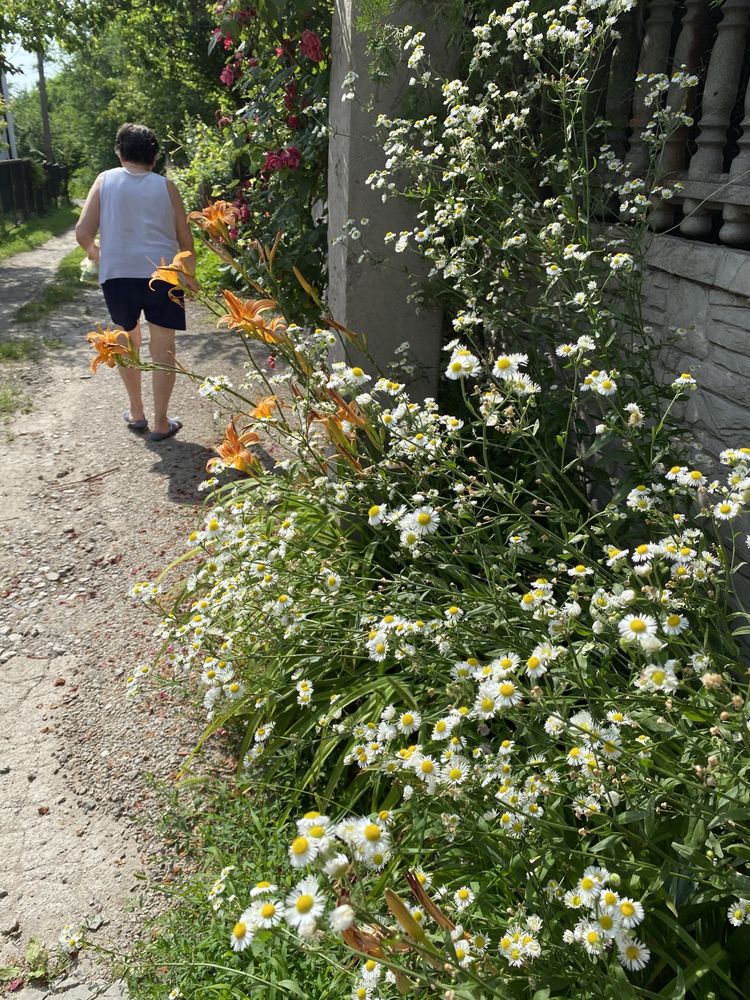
[{"x": 140, "y": 218}]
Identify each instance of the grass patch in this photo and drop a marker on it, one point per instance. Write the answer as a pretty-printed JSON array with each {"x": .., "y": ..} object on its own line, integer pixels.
[
  {"x": 26, "y": 348},
  {"x": 34, "y": 232},
  {"x": 65, "y": 287},
  {"x": 210, "y": 824},
  {"x": 11, "y": 398}
]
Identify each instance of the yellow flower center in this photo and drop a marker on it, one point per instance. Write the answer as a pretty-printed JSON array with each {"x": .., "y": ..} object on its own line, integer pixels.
[
  {"x": 372, "y": 832},
  {"x": 357, "y": 372},
  {"x": 305, "y": 903},
  {"x": 373, "y": 511},
  {"x": 424, "y": 518},
  {"x": 627, "y": 909},
  {"x": 239, "y": 930},
  {"x": 587, "y": 883},
  {"x": 637, "y": 625},
  {"x": 453, "y": 610},
  {"x": 300, "y": 845},
  {"x": 317, "y": 831},
  {"x": 455, "y": 773},
  {"x": 674, "y": 620},
  {"x": 427, "y": 767},
  {"x": 262, "y": 885},
  {"x": 533, "y": 662},
  {"x": 487, "y": 704},
  {"x": 503, "y": 363},
  {"x": 463, "y": 894},
  {"x": 267, "y": 910},
  {"x": 407, "y": 719},
  {"x": 506, "y": 689}
]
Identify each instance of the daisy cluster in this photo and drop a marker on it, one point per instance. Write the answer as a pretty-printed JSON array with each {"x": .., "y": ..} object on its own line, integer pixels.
[{"x": 608, "y": 918}]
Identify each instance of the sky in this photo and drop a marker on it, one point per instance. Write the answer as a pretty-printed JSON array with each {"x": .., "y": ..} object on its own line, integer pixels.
[{"x": 26, "y": 63}]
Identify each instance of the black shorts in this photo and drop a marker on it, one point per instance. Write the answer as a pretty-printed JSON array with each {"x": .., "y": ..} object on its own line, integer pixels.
[{"x": 126, "y": 298}]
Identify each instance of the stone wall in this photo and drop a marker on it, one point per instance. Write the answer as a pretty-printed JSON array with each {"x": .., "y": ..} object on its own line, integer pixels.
[{"x": 705, "y": 289}]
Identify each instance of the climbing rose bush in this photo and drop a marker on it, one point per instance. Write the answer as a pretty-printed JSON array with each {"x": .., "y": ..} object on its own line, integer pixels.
[{"x": 485, "y": 659}]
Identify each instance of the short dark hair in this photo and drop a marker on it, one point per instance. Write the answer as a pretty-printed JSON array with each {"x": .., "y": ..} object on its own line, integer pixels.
[{"x": 136, "y": 143}]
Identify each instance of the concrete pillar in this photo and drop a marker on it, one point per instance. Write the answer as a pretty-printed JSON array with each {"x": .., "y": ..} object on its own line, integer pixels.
[{"x": 372, "y": 298}]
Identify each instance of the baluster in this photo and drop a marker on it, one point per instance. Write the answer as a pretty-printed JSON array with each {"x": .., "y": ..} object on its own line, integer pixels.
[
  {"x": 654, "y": 56},
  {"x": 736, "y": 229},
  {"x": 621, "y": 82},
  {"x": 718, "y": 100},
  {"x": 688, "y": 53}
]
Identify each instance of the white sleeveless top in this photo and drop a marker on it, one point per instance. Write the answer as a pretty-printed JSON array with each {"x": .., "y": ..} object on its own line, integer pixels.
[{"x": 136, "y": 224}]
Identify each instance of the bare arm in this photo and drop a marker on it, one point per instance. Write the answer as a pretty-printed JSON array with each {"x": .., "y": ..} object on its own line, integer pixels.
[
  {"x": 88, "y": 224},
  {"x": 184, "y": 236}
]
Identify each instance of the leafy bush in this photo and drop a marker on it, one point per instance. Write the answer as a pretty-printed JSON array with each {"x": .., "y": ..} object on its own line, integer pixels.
[
  {"x": 486, "y": 657},
  {"x": 274, "y": 126}
]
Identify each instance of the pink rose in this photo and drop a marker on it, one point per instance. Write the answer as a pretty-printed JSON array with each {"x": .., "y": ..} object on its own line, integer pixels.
[
  {"x": 311, "y": 46},
  {"x": 272, "y": 162},
  {"x": 291, "y": 157},
  {"x": 227, "y": 76}
]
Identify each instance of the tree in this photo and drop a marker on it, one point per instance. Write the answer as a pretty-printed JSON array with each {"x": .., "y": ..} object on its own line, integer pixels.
[{"x": 149, "y": 63}]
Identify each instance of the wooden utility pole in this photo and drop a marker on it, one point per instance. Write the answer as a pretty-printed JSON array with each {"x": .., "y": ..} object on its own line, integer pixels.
[{"x": 44, "y": 105}]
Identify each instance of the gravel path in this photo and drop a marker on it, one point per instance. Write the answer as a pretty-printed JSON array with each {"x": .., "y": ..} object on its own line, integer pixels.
[{"x": 88, "y": 509}]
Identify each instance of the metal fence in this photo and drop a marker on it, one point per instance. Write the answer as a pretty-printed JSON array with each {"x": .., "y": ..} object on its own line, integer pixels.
[{"x": 24, "y": 193}]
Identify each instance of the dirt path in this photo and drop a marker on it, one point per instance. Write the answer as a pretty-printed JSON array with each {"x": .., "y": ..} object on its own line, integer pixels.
[
  {"x": 88, "y": 509},
  {"x": 23, "y": 275}
]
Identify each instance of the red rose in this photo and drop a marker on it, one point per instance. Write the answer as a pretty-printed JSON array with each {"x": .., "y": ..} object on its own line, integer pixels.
[
  {"x": 293, "y": 121},
  {"x": 311, "y": 46},
  {"x": 272, "y": 162},
  {"x": 291, "y": 157}
]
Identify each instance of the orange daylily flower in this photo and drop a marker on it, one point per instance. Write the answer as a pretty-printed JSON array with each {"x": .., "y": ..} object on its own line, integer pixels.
[
  {"x": 264, "y": 407},
  {"x": 247, "y": 315},
  {"x": 109, "y": 346},
  {"x": 233, "y": 452},
  {"x": 216, "y": 219},
  {"x": 180, "y": 273}
]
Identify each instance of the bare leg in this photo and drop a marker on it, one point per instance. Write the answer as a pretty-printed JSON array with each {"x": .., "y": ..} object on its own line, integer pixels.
[
  {"x": 162, "y": 353},
  {"x": 132, "y": 379}
]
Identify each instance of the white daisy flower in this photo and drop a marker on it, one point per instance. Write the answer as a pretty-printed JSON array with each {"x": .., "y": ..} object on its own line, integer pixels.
[
  {"x": 242, "y": 933},
  {"x": 635, "y": 628},
  {"x": 304, "y": 904},
  {"x": 631, "y": 912},
  {"x": 633, "y": 954},
  {"x": 463, "y": 897}
]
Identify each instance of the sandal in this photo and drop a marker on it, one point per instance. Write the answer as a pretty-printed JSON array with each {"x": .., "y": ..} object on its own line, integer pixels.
[{"x": 174, "y": 426}]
